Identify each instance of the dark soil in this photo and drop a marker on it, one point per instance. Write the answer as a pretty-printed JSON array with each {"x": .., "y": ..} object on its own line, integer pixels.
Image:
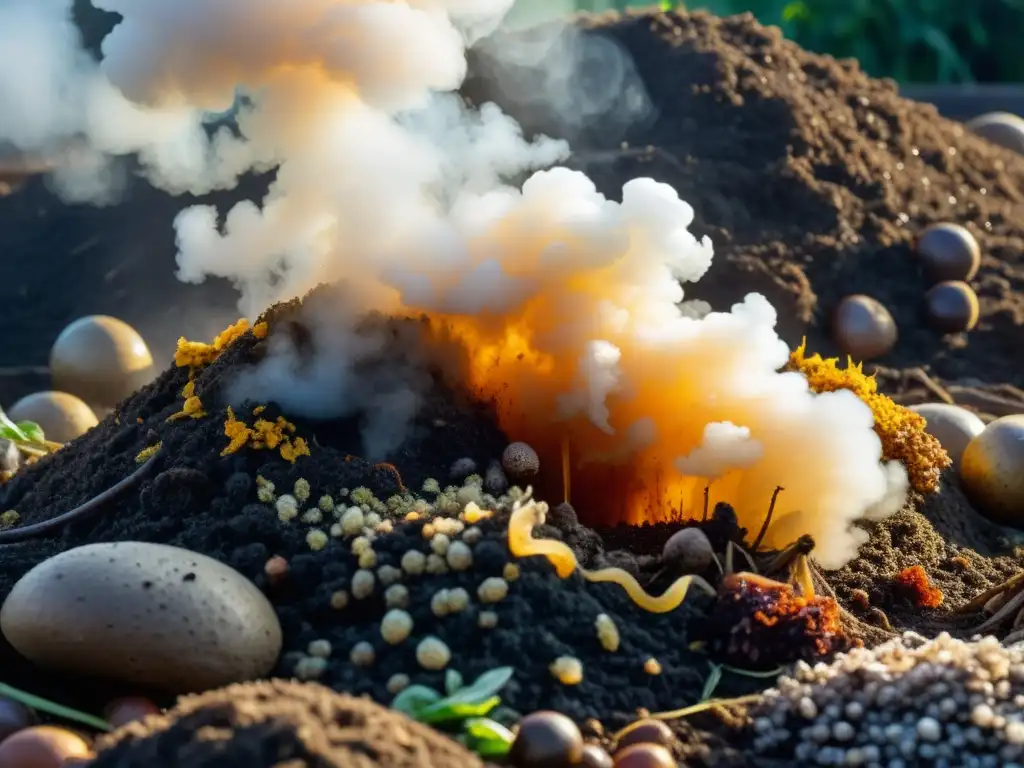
[
  {"x": 197, "y": 499},
  {"x": 280, "y": 724},
  {"x": 811, "y": 180}
]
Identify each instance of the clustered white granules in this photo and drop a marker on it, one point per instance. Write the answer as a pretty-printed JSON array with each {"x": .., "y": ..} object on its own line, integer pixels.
[{"x": 908, "y": 702}]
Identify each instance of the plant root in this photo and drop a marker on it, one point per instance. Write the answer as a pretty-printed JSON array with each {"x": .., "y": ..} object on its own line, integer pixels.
[{"x": 81, "y": 511}]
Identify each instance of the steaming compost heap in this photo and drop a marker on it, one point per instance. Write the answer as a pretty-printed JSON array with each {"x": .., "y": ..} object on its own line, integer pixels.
[{"x": 810, "y": 180}]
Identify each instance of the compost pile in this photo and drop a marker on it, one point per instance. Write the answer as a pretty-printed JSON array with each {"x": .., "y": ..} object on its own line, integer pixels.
[{"x": 811, "y": 180}]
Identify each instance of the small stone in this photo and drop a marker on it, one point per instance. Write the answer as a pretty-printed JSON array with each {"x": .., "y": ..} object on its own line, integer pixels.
[
  {"x": 495, "y": 481},
  {"x": 461, "y": 469},
  {"x": 1002, "y": 128},
  {"x": 929, "y": 729},
  {"x": 546, "y": 740},
  {"x": 954, "y": 427},
  {"x": 952, "y": 307},
  {"x": 14, "y": 716},
  {"x": 990, "y": 470},
  {"x": 42, "y": 746},
  {"x": 646, "y": 732},
  {"x": 690, "y": 549},
  {"x": 645, "y": 756},
  {"x": 61, "y": 416},
  {"x": 125, "y": 610},
  {"x": 948, "y": 252},
  {"x": 863, "y": 328},
  {"x": 520, "y": 461}
]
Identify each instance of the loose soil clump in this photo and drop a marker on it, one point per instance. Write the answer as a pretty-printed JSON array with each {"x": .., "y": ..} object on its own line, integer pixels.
[{"x": 280, "y": 723}]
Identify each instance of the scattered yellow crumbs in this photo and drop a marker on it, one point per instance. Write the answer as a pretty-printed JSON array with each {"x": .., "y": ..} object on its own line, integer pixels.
[
  {"x": 192, "y": 409},
  {"x": 568, "y": 670},
  {"x": 473, "y": 514},
  {"x": 196, "y": 354},
  {"x": 9, "y": 519},
  {"x": 262, "y": 435},
  {"x": 147, "y": 453},
  {"x": 901, "y": 431},
  {"x": 652, "y": 666}
]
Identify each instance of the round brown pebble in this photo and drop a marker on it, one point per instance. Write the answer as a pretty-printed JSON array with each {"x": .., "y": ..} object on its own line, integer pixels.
[
  {"x": 952, "y": 307},
  {"x": 948, "y": 252},
  {"x": 992, "y": 471},
  {"x": 42, "y": 746},
  {"x": 15, "y": 716},
  {"x": 129, "y": 709},
  {"x": 646, "y": 732},
  {"x": 1002, "y": 128},
  {"x": 594, "y": 756},
  {"x": 546, "y": 740},
  {"x": 863, "y": 328},
  {"x": 644, "y": 756}
]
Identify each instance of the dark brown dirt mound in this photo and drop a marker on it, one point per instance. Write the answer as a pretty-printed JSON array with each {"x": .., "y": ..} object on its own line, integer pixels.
[
  {"x": 279, "y": 724},
  {"x": 810, "y": 177}
]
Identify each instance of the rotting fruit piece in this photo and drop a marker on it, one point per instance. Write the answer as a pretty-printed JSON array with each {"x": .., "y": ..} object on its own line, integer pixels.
[
  {"x": 759, "y": 623},
  {"x": 915, "y": 581},
  {"x": 901, "y": 431},
  {"x": 196, "y": 354}
]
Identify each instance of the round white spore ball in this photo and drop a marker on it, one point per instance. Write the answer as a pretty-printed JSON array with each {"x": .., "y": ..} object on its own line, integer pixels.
[
  {"x": 432, "y": 653},
  {"x": 396, "y": 626},
  {"x": 459, "y": 556},
  {"x": 493, "y": 589}
]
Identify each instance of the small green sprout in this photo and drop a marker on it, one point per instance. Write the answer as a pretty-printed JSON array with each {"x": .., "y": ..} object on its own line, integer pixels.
[
  {"x": 26, "y": 435},
  {"x": 463, "y": 708}
]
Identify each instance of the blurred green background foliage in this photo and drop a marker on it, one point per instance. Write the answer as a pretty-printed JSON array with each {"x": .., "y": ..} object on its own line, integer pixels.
[{"x": 911, "y": 41}]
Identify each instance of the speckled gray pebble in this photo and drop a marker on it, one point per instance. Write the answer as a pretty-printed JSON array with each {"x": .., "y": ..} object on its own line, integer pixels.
[
  {"x": 951, "y": 425},
  {"x": 148, "y": 614}
]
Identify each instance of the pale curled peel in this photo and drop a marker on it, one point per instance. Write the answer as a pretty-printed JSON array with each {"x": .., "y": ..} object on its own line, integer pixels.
[{"x": 522, "y": 544}]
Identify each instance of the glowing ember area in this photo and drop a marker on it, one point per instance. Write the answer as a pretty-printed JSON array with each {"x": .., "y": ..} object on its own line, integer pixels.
[
  {"x": 568, "y": 303},
  {"x": 655, "y": 400}
]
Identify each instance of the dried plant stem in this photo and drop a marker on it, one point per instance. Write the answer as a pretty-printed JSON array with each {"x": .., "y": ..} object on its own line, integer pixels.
[{"x": 767, "y": 520}]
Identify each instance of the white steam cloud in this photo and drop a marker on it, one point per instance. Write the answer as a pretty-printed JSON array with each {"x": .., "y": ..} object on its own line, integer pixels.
[{"x": 385, "y": 180}]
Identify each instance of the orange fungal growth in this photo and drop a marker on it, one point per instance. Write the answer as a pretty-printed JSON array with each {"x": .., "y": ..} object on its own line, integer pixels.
[
  {"x": 901, "y": 431},
  {"x": 916, "y": 582}
]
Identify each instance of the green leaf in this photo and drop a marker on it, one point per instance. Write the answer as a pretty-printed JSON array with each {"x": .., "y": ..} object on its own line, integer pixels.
[
  {"x": 485, "y": 686},
  {"x": 488, "y": 738},
  {"x": 9, "y": 429},
  {"x": 452, "y": 681},
  {"x": 32, "y": 431},
  {"x": 414, "y": 699},
  {"x": 714, "y": 678},
  {"x": 447, "y": 710}
]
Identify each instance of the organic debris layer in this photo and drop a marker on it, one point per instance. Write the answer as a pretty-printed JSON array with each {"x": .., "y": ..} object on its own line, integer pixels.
[{"x": 286, "y": 723}]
